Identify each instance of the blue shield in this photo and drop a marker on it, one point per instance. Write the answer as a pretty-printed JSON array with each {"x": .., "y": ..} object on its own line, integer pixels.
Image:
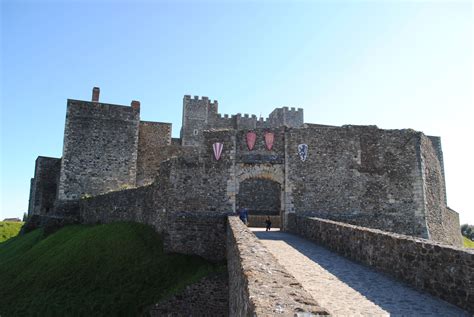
[{"x": 303, "y": 151}]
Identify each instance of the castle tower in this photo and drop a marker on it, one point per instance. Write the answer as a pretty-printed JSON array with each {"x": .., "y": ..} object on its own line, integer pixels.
[
  {"x": 197, "y": 115},
  {"x": 285, "y": 116},
  {"x": 100, "y": 148}
]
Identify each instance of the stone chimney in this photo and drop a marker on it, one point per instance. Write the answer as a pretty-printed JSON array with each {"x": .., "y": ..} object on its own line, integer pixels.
[
  {"x": 135, "y": 105},
  {"x": 95, "y": 94}
]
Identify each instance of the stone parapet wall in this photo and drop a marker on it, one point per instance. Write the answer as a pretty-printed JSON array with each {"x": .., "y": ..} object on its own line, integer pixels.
[
  {"x": 444, "y": 271},
  {"x": 258, "y": 284}
]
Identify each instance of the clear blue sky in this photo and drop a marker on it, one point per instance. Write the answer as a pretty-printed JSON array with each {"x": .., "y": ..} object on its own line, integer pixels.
[{"x": 395, "y": 64}]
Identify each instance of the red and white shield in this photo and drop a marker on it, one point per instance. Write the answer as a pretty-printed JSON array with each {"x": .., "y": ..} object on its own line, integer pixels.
[
  {"x": 251, "y": 138},
  {"x": 217, "y": 147},
  {"x": 269, "y": 138}
]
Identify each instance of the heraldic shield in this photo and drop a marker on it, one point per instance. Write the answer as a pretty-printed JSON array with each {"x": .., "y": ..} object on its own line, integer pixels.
[
  {"x": 217, "y": 147},
  {"x": 269, "y": 138},
  {"x": 303, "y": 151},
  {"x": 251, "y": 138}
]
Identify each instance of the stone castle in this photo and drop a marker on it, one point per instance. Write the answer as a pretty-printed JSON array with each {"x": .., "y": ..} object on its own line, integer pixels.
[
  {"x": 374, "y": 196},
  {"x": 391, "y": 180}
]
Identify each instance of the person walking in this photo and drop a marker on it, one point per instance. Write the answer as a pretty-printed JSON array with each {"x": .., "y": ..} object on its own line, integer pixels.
[
  {"x": 244, "y": 215},
  {"x": 268, "y": 224}
]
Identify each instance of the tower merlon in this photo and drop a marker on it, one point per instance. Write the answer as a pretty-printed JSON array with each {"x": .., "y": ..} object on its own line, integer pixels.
[{"x": 135, "y": 105}]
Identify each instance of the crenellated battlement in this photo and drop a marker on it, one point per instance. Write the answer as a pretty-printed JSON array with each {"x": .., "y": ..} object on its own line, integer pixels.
[
  {"x": 189, "y": 99},
  {"x": 284, "y": 116}
]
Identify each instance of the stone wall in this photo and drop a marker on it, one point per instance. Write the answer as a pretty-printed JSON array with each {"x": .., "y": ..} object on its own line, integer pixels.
[
  {"x": 207, "y": 297},
  {"x": 360, "y": 175},
  {"x": 259, "y": 221},
  {"x": 100, "y": 149},
  {"x": 258, "y": 284},
  {"x": 444, "y": 271},
  {"x": 44, "y": 185},
  {"x": 127, "y": 205},
  {"x": 451, "y": 228},
  {"x": 439, "y": 219},
  {"x": 198, "y": 233},
  {"x": 196, "y": 181},
  {"x": 357, "y": 174},
  {"x": 436, "y": 142},
  {"x": 154, "y": 146}
]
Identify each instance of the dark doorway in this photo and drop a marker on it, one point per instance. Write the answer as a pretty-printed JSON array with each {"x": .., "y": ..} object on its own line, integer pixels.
[{"x": 261, "y": 196}]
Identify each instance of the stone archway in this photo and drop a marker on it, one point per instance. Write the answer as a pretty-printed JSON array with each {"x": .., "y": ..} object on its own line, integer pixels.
[{"x": 261, "y": 180}]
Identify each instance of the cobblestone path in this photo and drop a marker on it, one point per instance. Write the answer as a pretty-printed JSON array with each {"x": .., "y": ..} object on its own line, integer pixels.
[{"x": 346, "y": 288}]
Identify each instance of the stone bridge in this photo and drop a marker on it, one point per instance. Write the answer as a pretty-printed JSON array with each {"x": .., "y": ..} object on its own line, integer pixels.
[
  {"x": 283, "y": 273},
  {"x": 316, "y": 267},
  {"x": 345, "y": 288},
  {"x": 322, "y": 267}
]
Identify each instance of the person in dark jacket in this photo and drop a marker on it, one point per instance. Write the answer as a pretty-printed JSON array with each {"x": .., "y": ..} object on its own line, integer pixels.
[
  {"x": 244, "y": 215},
  {"x": 268, "y": 224}
]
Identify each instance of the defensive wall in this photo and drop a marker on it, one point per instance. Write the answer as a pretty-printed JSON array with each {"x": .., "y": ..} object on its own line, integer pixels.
[
  {"x": 384, "y": 179},
  {"x": 391, "y": 180}
]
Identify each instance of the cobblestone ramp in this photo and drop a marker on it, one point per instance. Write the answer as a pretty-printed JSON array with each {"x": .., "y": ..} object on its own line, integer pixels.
[{"x": 346, "y": 288}]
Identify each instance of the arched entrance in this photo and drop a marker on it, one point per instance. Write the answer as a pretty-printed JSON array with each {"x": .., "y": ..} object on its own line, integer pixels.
[{"x": 262, "y": 197}]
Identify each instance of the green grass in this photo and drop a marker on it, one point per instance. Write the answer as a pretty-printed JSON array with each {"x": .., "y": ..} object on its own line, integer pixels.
[
  {"x": 468, "y": 243},
  {"x": 115, "y": 270},
  {"x": 9, "y": 229}
]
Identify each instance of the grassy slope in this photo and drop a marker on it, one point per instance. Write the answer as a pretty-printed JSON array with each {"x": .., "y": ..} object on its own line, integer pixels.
[
  {"x": 113, "y": 269},
  {"x": 468, "y": 243},
  {"x": 9, "y": 229}
]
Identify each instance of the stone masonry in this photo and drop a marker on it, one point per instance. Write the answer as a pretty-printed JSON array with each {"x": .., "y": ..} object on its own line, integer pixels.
[
  {"x": 391, "y": 180},
  {"x": 385, "y": 188}
]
